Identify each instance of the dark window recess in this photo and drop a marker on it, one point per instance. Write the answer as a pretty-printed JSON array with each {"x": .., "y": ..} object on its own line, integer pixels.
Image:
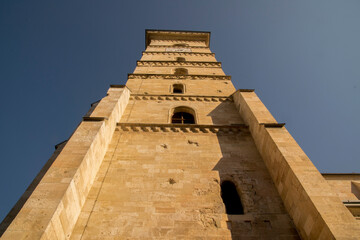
[
  {"x": 180, "y": 59},
  {"x": 178, "y": 88},
  {"x": 183, "y": 118},
  {"x": 181, "y": 71},
  {"x": 231, "y": 198},
  {"x": 181, "y": 45}
]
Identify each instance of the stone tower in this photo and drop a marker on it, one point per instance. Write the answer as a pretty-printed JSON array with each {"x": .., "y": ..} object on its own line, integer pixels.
[{"x": 177, "y": 153}]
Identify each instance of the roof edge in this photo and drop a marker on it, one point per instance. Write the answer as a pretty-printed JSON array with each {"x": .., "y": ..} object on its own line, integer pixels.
[{"x": 149, "y": 32}]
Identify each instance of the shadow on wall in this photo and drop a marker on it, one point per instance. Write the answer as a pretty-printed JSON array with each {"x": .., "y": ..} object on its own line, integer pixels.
[
  {"x": 253, "y": 206},
  {"x": 225, "y": 113}
]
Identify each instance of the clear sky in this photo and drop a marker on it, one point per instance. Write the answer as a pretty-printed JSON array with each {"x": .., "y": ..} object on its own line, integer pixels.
[{"x": 56, "y": 57}]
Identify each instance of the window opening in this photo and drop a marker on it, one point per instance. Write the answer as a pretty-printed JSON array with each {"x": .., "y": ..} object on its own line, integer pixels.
[
  {"x": 231, "y": 198},
  {"x": 181, "y": 71},
  {"x": 181, "y": 45},
  {"x": 180, "y": 59},
  {"x": 183, "y": 118},
  {"x": 178, "y": 88}
]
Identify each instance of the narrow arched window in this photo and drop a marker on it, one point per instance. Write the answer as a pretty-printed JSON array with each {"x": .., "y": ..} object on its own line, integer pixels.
[
  {"x": 183, "y": 115},
  {"x": 181, "y": 71},
  {"x": 231, "y": 198},
  {"x": 180, "y": 59},
  {"x": 178, "y": 88}
]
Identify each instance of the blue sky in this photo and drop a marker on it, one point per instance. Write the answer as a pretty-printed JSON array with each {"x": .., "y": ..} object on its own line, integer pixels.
[{"x": 56, "y": 57}]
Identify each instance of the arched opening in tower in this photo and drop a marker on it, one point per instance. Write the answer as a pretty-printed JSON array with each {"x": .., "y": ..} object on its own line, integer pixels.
[
  {"x": 181, "y": 71},
  {"x": 180, "y": 59},
  {"x": 231, "y": 198},
  {"x": 183, "y": 118},
  {"x": 178, "y": 88}
]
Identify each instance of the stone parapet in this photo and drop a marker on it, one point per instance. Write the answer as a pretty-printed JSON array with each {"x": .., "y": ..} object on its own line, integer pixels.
[
  {"x": 56, "y": 201},
  {"x": 315, "y": 209}
]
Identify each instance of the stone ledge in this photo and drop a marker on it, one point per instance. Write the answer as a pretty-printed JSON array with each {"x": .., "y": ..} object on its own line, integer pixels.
[
  {"x": 94, "y": 119},
  {"x": 61, "y": 144},
  {"x": 167, "y": 46},
  {"x": 181, "y": 98},
  {"x": 177, "y": 63},
  {"x": 172, "y": 76},
  {"x": 117, "y": 86},
  {"x": 186, "y": 128},
  {"x": 272, "y": 125},
  {"x": 246, "y": 90},
  {"x": 178, "y": 53}
]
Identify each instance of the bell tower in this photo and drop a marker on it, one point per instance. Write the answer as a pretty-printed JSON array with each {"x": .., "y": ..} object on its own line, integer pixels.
[{"x": 178, "y": 153}]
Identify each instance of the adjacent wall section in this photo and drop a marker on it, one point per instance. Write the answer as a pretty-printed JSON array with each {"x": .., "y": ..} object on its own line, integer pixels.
[
  {"x": 316, "y": 210},
  {"x": 55, "y": 204}
]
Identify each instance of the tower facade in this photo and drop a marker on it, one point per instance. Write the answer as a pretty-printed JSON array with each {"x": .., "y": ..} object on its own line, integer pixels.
[{"x": 178, "y": 153}]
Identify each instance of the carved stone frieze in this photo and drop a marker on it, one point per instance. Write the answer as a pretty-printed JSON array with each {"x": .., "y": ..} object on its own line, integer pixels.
[
  {"x": 175, "y": 41},
  {"x": 189, "y": 98},
  {"x": 171, "y": 76},
  {"x": 165, "y": 46},
  {"x": 177, "y": 64},
  {"x": 198, "y": 54},
  {"x": 182, "y": 128},
  {"x": 164, "y": 32}
]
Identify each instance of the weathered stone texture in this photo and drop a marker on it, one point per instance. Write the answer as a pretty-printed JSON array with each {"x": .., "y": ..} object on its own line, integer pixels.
[
  {"x": 173, "y": 56},
  {"x": 157, "y": 111},
  {"x": 346, "y": 186},
  {"x": 127, "y": 172},
  {"x": 166, "y": 186},
  {"x": 192, "y": 87},
  {"x": 164, "y": 48},
  {"x": 54, "y": 206},
  {"x": 316, "y": 210}
]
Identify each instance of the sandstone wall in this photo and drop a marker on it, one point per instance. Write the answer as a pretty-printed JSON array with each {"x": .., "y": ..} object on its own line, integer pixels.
[
  {"x": 166, "y": 185},
  {"x": 53, "y": 207},
  {"x": 316, "y": 210}
]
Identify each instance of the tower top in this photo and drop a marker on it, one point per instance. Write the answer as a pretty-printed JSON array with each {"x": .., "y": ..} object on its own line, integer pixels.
[{"x": 151, "y": 34}]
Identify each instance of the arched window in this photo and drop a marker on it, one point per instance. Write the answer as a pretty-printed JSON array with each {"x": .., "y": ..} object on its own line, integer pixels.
[
  {"x": 180, "y": 59},
  {"x": 183, "y": 115},
  {"x": 178, "y": 88},
  {"x": 181, "y": 45},
  {"x": 231, "y": 198},
  {"x": 181, "y": 71}
]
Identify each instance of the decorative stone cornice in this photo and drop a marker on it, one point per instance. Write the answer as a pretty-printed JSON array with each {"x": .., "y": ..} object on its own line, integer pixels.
[
  {"x": 198, "y": 54},
  {"x": 176, "y": 41},
  {"x": 177, "y": 64},
  {"x": 179, "y": 97},
  {"x": 169, "y": 46},
  {"x": 182, "y": 128},
  {"x": 156, "y": 34},
  {"x": 171, "y": 76}
]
